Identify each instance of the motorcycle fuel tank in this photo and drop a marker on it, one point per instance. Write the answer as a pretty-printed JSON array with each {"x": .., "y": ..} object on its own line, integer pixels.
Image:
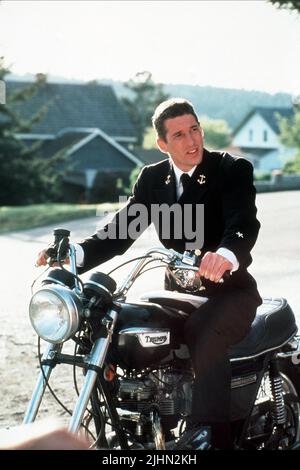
[{"x": 145, "y": 335}]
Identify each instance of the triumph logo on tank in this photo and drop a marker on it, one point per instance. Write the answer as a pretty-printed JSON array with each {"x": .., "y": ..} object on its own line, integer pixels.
[
  {"x": 150, "y": 340},
  {"x": 156, "y": 339}
]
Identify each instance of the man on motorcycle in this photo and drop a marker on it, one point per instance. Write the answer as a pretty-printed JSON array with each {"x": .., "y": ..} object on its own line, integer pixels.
[{"x": 193, "y": 175}]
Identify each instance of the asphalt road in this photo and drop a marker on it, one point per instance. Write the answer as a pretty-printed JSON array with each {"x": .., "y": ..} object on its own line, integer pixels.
[{"x": 276, "y": 267}]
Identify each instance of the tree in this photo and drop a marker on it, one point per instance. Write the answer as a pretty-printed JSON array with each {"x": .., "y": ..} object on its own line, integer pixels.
[
  {"x": 290, "y": 136},
  {"x": 146, "y": 95},
  {"x": 290, "y": 128},
  {"x": 216, "y": 133},
  {"x": 293, "y": 5},
  {"x": 26, "y": 177}
]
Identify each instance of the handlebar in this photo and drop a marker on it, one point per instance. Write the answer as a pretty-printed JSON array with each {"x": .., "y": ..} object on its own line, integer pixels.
[
  {"x": 183, "y": 266},
  {"x": 60, "y": 249},
  {"x": 171, "y": 257}
]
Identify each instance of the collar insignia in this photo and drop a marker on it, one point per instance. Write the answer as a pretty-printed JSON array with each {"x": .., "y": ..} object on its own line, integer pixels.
[
  {"x": 168, "y": 180},
  {"x": 201, "y": 179}
]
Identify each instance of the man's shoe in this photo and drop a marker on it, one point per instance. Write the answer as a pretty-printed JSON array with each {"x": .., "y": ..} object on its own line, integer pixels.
[{"x": 195, "y": 438}]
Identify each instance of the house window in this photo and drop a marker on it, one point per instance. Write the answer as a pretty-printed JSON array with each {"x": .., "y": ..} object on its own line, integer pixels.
[
  {"x": 250, "y": 135},
  {"x": 265, "y": 136}
]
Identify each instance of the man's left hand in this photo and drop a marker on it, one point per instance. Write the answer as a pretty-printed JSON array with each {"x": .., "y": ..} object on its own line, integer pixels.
[{"x": 213, "y": 266}]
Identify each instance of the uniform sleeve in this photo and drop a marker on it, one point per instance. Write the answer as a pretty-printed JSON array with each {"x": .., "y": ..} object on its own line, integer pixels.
[
  {"x": 118, "y": 235},
  {"x": 241, "y": 226}
]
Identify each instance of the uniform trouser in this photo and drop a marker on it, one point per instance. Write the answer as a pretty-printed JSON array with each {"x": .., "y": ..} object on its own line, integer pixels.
[{"x": 210, "y": 331}]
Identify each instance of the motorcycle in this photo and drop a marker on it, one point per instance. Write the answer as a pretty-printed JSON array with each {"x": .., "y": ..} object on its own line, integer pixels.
[{"x": 137, "y": 373}]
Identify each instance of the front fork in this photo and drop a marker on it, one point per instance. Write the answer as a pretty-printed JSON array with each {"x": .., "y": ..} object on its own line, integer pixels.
[
  {"x": 95, "y": 361},
  {"x": 41, "y": 383}
]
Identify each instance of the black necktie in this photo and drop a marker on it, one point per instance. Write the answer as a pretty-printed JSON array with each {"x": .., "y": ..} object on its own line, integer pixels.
[{"x": 185, "y": 180}]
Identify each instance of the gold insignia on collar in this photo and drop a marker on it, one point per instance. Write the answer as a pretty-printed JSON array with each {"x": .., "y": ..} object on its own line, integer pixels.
[
  {"x": 168, "y": 180},
  {"x": 201, "y": 179}
]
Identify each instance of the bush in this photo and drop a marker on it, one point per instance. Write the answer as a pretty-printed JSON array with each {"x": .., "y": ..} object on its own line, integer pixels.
[
  {"x": 109, "y": 186},
  {"x": 263, "y": 176}
]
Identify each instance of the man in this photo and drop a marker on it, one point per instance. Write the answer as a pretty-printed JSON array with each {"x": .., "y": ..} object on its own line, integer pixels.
[{"x": 224, "y": 185}]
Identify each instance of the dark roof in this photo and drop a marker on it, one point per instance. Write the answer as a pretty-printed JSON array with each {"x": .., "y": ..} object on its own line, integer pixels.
[
  {"x": 269, "y": 115},
  {"x": 93, "y": 149},
  {"x": 75, "y": 105},
  {"x": 64, "y": 141}
]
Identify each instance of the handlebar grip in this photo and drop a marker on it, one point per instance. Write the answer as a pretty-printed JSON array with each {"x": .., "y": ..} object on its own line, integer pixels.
[
  {"x": 60, "y": 233},
  {"x": 51, "y": 251},
  {"x": 59, "y": 248}
]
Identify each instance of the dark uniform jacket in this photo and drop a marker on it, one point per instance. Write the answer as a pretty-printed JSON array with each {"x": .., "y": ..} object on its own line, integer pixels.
[{"x": 223, "y": 184}]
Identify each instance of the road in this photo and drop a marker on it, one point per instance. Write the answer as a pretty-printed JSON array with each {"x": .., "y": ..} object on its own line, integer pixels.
[{"x": 276, "y": 267}]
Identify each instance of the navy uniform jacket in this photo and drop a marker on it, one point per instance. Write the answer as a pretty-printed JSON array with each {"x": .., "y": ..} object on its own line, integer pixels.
[{"x": 224, "y": 184}]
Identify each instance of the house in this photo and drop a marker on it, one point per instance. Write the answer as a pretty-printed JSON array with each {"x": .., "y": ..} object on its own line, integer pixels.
[
  {"x": 257, "y": 139},
  {"x": 149, "y": 156},
  {"x": 89, "y": 123},
  {"x": 95, "y": 163}
]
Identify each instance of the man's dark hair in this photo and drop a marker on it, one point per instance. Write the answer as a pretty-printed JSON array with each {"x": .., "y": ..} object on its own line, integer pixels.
[{"x": 169, "y": 109}]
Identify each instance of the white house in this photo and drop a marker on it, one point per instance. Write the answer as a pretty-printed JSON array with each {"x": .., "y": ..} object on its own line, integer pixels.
[{"x": 257, "y": 137}]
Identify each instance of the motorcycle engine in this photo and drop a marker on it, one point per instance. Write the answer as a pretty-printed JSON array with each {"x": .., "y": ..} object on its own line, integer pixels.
[{"x": 168, "y": 390}]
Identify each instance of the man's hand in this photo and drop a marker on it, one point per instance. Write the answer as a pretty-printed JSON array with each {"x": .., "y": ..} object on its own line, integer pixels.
[
  {"x": 213, "y": 266},
  {"x": 43, "y": 258}
]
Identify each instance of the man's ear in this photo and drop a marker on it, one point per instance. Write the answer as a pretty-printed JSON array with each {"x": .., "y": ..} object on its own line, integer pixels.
[{"x": 161, "y": 145}]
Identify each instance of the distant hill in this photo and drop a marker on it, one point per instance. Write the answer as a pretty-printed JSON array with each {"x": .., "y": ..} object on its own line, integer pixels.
[
  {"x": 220, "y": 103},
  {"x": 216, "y": 103}
]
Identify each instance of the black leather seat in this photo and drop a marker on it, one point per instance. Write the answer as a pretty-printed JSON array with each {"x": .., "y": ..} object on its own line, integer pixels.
[{"x": 273, "y": 325}]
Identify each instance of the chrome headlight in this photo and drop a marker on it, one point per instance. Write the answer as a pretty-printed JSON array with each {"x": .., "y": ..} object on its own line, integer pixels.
[{"x": 54, "y": 313}]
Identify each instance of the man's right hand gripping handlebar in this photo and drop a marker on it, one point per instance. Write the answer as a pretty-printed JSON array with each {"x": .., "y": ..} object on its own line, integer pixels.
[
  {"x": 57, "y": 251},
  {"x": 42, "y": 258}
]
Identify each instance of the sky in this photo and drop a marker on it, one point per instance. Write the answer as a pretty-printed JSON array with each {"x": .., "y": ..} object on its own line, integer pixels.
[{"x": 227, "y": 43}]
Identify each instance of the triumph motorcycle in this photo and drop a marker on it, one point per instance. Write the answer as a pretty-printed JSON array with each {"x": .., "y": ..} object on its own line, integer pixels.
[{"x": 137, "y": 375}]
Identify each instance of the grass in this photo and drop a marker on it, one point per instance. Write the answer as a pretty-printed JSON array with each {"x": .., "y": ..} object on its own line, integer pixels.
[{"x": 38, "y": 215}]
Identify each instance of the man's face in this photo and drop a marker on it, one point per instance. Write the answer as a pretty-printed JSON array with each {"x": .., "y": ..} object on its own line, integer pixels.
[{"x": 184, "y": 141}]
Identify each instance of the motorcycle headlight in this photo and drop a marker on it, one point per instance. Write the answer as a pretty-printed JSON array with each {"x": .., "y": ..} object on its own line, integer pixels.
[{"x": 54, "y": 313}]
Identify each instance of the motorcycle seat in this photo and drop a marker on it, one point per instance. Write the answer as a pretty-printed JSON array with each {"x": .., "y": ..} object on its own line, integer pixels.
[{"x": 273, "y": 326}]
